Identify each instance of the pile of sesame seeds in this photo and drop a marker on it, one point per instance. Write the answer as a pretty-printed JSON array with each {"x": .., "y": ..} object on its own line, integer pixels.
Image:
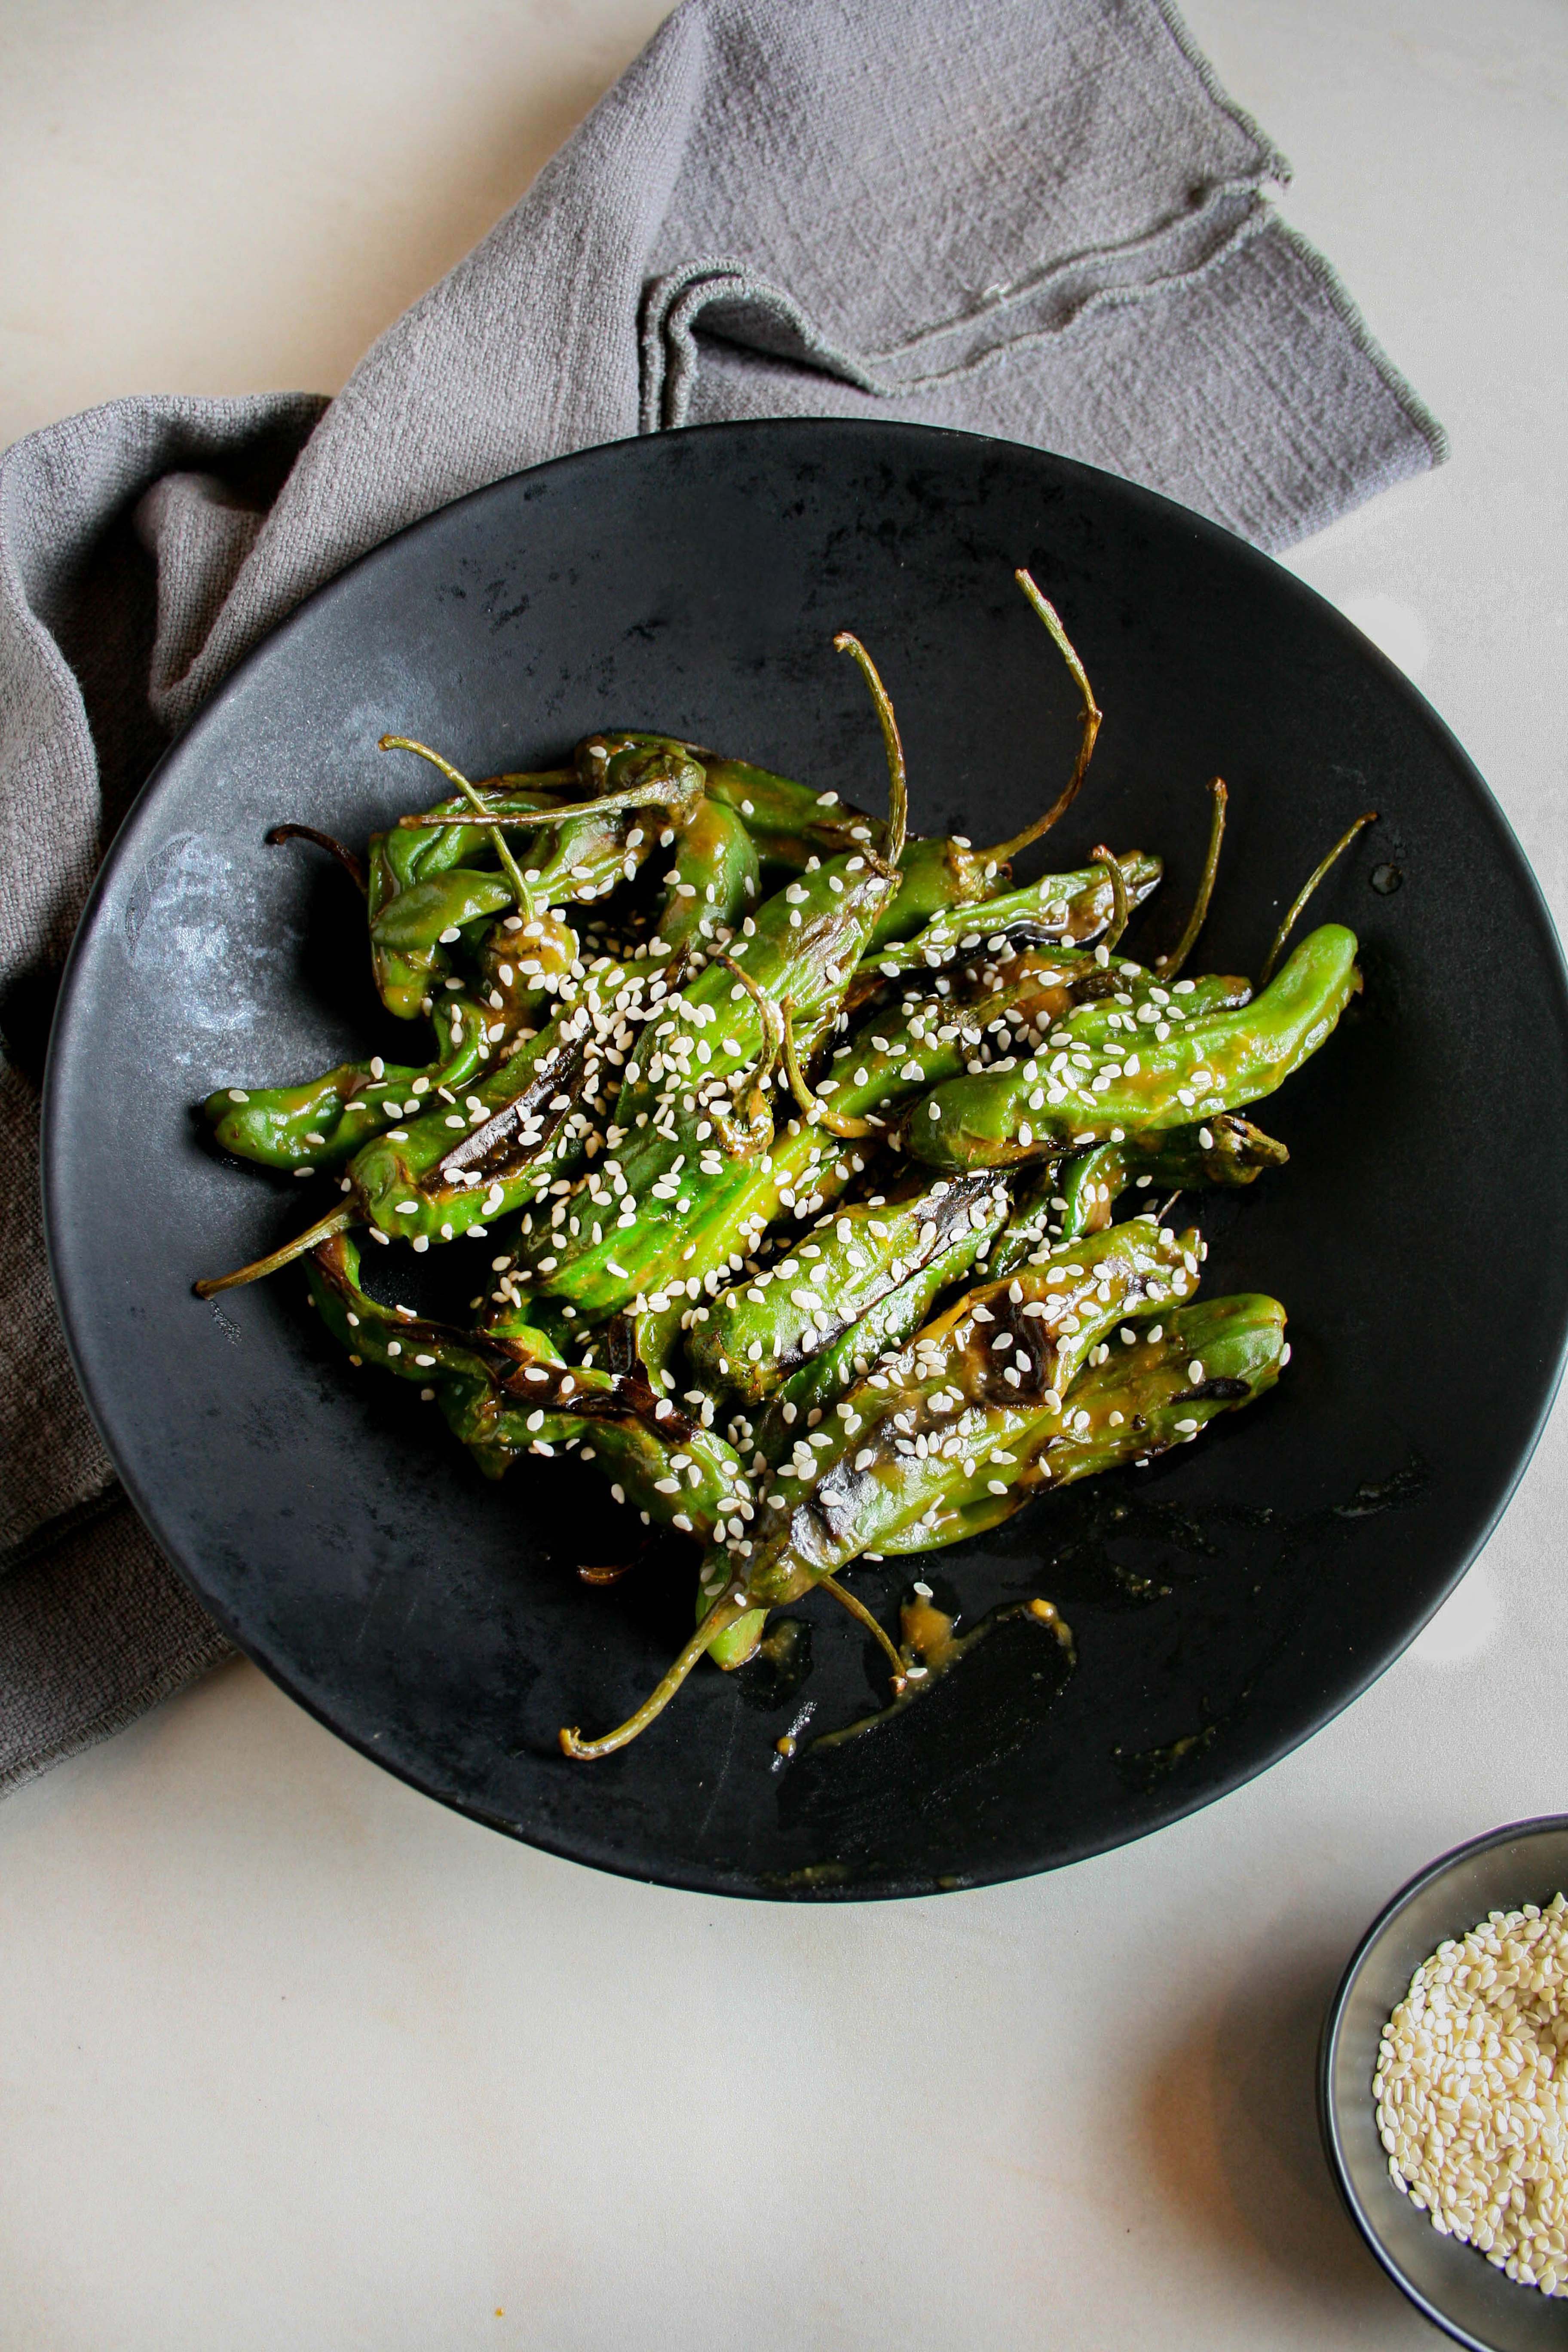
[{"x": 1472, "y": 2105}]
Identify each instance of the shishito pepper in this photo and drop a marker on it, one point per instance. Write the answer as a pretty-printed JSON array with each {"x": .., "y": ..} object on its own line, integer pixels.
[
  {"x": 324, "y": 1121},
  {"x": 789, "y": 822},
  {"x": 892, "y": 1316},
  {"x": 644, "y": 797},
  {"x": 766, "y": 1329},
  {"x": 935, "y": 1427},
  {"x": 1210, "y": 1064},
  {"x": 1224, "y": 1151},
  {"x": 1066, "y": 911},
  {"x": 473, "y": 1156},
  {"x": 1137, "y": 1403},
  {"x": 678, "y": 1108},
  {"x": 712, "y": 884},
  {"x": 318, "y": 1124},
  {"x": 522, "y": 1126},
  {"x": 506, "y": 1391}
]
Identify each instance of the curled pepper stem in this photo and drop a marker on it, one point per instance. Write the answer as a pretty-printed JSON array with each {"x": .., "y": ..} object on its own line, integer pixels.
[
  {"x": 898, "y": 775},
  {"x": 1318, "y": 875},
  {"x": 1090, "y": 723},
  {"x": 510, "y": 866},
  {"x": 1120, "y": 904},
  {"x": 1169, "y": 965},
  {"x": 350, "y": 864},
  {"x": 744, "y": 1143},
  {"x": 815, "y": 1110},
  {"x": 719, "y": 1618},
  {"x": 858, "y": 1611},
  {"x": 338, "y": 1221}
]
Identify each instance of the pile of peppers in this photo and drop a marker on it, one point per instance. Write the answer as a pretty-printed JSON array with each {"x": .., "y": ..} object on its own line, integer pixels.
[{"x": 799, "y": 1141}]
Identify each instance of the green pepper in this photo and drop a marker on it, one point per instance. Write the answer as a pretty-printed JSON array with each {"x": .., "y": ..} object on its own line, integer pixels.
[
  {"x": 891, "y": 1319},
  {"x": 940, "y": 1423},
  {"x": 644, "y": 797},
  {"x": 1201, "y": 1068},
  {"x": 505, "y": 1393},
  {"x": 318, "y": 1124},
  {"x": 452, "y": 901},
  {"x": 793, "y": 828},
  {"x": 468, "y": 1160},
  {"x": 1132, "y": 1408},
  {"x": 789, "y": 822},
  {"x": 1122, "y": 1002},
  {"x": 1066, "y": 909},
  {"x": 764, "y": 1330},
  {"x": 323, "y": 1122},
  {"x": 1227, "y": 1151},
  {"x": 712, "y": 886}
]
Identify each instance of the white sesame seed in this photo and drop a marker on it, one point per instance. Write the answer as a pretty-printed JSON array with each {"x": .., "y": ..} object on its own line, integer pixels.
[{"x": 1467, "y": 2087}]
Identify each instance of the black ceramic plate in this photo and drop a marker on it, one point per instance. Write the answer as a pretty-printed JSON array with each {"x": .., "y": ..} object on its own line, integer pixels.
[{"x": 1224, "y": 1604}]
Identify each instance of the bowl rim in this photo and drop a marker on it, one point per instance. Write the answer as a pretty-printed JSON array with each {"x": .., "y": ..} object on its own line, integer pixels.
[{"x": 1510, "y": 1833}]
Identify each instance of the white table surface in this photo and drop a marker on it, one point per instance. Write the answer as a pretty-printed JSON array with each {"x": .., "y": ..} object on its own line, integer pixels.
[{"x": 291, "y": 2057}]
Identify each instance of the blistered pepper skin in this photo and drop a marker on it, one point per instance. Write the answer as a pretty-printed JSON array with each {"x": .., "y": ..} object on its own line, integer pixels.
[
  {"x": 506, "y": 1392},
  {"x": 1139, "y": 1404},
  {"x": 1061, "y": 910},
  {"x": 1213, "y": 1064},
  {"x": 767, "y": 1328},
  {"x": 1223, "y": 1152},
  {"x": 714, "y": 883},
  {"x": 881, "y": 1330},
  {"x": 801, "y": 950},
  {"x": 922, "y": 1432}
]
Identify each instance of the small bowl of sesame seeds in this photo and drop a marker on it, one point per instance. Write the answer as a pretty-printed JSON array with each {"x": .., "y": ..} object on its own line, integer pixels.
[{"x": 1443, "y": 2089}]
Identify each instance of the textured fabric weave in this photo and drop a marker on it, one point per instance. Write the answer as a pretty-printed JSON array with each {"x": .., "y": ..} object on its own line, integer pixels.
[{"x": 1037, "y": 218}]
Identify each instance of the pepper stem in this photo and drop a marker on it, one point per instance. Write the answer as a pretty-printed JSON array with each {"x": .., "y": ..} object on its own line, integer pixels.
[
  {"x": 898, "y": 776},
  {"x": 323, "y": 1230},
  {"x": 1317, "y": 875},
  {"x": 858, "y": 1609},
  {"x": 1169, "y": 966},
  {"x": 719, "y": 1618},
  {"x": 1120, "y": 904},
  {"x": 1092, "y": 715},
  {"x": 510, "y": 866},
  {"x": 743, "y": 1143},
  {"x": 350, "y": 864},
  {"x": 814, "y": 1106},
  {"x": 539, "y": 820}
]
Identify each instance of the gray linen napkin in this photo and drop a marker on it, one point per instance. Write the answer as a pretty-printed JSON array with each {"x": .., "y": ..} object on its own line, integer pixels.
[{"x": 1039, "y": 218}]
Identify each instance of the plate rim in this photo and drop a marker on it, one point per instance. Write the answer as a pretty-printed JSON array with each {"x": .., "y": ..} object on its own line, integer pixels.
[{"x": 71, "y": 1014}]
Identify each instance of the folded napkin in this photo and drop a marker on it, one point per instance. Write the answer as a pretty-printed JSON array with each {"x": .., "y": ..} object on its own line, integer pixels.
[{"x": 1037, "y": 218}]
